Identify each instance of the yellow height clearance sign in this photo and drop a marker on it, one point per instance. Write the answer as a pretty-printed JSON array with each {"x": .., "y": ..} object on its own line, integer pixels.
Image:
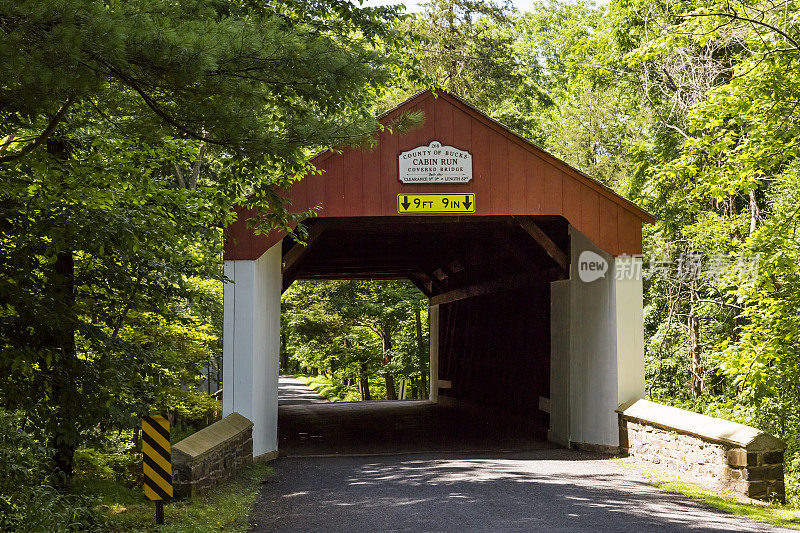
[
  {"x": 434, "y": 202},
  {"x": 157, "y": 462}
]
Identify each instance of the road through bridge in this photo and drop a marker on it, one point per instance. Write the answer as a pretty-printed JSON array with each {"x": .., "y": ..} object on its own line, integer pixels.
[{"x": 544, "y": 488}]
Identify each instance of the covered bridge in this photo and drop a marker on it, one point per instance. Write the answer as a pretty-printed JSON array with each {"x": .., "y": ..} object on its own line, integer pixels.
[{"x": 530, "y": 266}]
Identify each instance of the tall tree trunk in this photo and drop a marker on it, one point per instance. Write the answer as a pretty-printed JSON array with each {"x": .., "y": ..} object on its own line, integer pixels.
[
  {"x": 423, "y": 386},
  {"x": 64, "y": 370},
  {"x": 755, "y": 214},
  {"x": 63, "y": 375},
  {"x": 391, "y": 394},
  {"x": 363, "y": 380},
  {"x": 284, "y": 355},
  {"x": 694, "y": 340}
]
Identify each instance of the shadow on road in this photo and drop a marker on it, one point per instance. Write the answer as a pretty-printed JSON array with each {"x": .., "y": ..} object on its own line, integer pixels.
[{"x": 544, "y": 490}]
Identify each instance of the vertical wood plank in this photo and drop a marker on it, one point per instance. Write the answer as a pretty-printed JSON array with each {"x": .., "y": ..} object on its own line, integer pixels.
[
  {"x": 608, "y": 226},
  {"x": 517, "y": 180},
  {"x": 334, "y": 187},
  {"x": 498, "y": 163},
  {"x": 415, "y": 137},
  {"x": 462, "y": 130},
  {"x": 572, "y": 200},
  {"x": 590, "y": 214},
  {"x": 298, "y": 195},
  {"x": 553, "y": 191},
  {"x": 481, "y": 178},
  {"x": 371, "y": 187},
  {"x": 390, "y": 184},
  {"x": 629, "y": 232},
  {"x": 316, "y": 187},
  {"x": 443, "y": 124},
  {"x": 534, "y": 173},
  {"x": 353, "y": 180}
]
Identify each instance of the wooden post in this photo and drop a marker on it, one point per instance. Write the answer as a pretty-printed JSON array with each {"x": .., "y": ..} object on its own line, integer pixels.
[{"x": 159, "y": 512}]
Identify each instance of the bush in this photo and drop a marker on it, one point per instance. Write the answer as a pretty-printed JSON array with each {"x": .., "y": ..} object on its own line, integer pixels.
[
  {"x": 116, "y": 460},
  {"x": 192, "y": 412},
  {"x": 29, "y": 502}
]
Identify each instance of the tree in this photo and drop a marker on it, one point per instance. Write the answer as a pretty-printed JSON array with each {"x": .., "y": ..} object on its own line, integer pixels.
[
  {"x": 105, "y": 107},
  {"x": 355, "y": 329},
  {"x": 721, "y": 78}
]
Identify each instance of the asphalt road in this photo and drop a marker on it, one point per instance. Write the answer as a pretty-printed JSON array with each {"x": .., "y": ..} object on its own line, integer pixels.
[
  {"x": 542, "y": 490},
  {"x": 292, "y": 391},
  {"x": 545, "y": 489}
]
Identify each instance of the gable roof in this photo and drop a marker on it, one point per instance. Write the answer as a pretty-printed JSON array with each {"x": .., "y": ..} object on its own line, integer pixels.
[{"x": 511, "y": 176}]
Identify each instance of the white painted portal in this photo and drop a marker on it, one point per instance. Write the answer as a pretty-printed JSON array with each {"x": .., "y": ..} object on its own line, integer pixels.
[
  {"x": 251, "y": 345},
  {"x": 597, "y": 349}
]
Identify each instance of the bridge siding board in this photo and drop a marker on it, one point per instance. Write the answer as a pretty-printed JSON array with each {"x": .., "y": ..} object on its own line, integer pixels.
[
  {"x": 548, "y": 187},
  {"x": 517, "y": 182},
  {"x": 553, "y": 190},
  {"x": 498, "y": 164},
  {"x": 590, "y": 214},
  {"x": 334, "y": 187},
  {"x": 535, "y": 184},
  {"x": 371, "y": 165},
  {"x": 481, "y": 183},
  {"x": 629, "y": 232},
  {"x": 572, "y": 202},
  {"x": 316, "y": 185},
  {"x": 608, "y": 225},
  {"x": 353, "y": 180}
]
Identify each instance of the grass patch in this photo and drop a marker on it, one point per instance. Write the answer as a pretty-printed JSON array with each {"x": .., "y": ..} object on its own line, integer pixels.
[
  {"x": 225, "y": 508},
  {"x": 772, "y": 513}
]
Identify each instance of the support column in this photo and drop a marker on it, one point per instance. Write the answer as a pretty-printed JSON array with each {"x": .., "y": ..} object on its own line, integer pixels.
[
  {"x": 433, "y": 325},
  {"x": 251, "y": 345},
  {"x": 628, "y": 303},
  {"x": 593, "y": 379},
  {"x": 559, "y": 362}
]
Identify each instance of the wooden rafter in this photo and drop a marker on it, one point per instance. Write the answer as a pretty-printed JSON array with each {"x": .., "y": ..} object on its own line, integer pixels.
[
  {"x": 291, "y": 259},
  {"x": 543, "y": 240},
  {"x": 422, "y": 282},
  {"x": 479, "y": 289}
]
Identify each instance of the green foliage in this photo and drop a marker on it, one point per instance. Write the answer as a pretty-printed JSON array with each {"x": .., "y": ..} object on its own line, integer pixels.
[
  {"x": 114, "y": 459},
  {"x": 225, "y": 508},
  {"x": 131, "y": 129},
  {"x": 354, "y": 330},
  {"x": 336, "y": 390},
  {"x": 29, "y": 501}
]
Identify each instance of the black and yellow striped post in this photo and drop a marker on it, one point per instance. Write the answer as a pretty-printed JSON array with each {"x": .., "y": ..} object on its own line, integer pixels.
[{"x": 157, "y": 462}]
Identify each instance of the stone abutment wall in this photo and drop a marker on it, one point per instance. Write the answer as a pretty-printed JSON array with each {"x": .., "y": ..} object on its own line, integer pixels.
[{"x": 724, "y": 454}]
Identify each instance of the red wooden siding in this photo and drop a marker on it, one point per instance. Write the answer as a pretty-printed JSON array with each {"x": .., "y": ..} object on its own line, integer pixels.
[{"x": 510, "y": 177}]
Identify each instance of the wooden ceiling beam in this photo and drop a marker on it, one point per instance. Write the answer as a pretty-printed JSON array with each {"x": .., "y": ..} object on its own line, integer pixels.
[
  {"x": 422, "y": 282},
  {"x": 292, "y": 259},
  {"x": 543, "y": 240},
  {"x": 487, "y": 287}
]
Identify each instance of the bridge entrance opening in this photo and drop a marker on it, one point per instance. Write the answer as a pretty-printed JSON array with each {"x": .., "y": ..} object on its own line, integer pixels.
[{"x": 487, "y": 282}]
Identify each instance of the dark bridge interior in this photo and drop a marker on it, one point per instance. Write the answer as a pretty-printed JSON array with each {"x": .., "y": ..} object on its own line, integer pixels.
[{"x": 490, "y": 276}]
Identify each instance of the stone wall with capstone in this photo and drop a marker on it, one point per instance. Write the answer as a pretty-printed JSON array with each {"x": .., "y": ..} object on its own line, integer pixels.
[
  {"x": 206, "y": 458},
  {"x": 724, "y": 454}
]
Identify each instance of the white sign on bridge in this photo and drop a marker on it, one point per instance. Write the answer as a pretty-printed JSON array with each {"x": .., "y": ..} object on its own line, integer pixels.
[{"x": 435, "y": 164}]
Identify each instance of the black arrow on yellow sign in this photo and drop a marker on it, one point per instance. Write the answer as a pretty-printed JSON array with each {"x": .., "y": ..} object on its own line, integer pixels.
[
  {"x": 467, "y": 203},
  {"x": 405, "y": 203}
]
